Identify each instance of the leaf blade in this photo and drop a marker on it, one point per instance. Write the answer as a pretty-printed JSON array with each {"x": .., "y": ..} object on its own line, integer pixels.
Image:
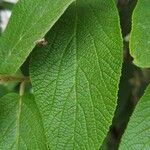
[
  {"x": 68, "y": 75},
  {"x": 140, "y": 37},
  {"x": 29, "y": 23},
  {"x": 137, "y": 134},
  {"x": 20, "y": 124}
]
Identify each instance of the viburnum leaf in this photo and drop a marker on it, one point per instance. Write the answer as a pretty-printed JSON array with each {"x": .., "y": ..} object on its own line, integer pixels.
[
  {"x": 137, "y": 134},
  {"x": 140, "y": 35},
  {"x": 75, "y": 76},
  {"x": 20, "y": 124},
  {"x": 3, "y": 90},
  {"x": 30, "y": 21}
]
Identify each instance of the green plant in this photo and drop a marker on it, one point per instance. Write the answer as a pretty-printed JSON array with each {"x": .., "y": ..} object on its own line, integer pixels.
[{"x": 60, "y": 69}]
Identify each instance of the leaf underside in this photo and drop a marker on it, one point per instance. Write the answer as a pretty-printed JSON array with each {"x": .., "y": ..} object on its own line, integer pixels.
[
  {"x": 75, "y": 77},
  {"x": 30, "y": 21},
  {"x": 140, "y": 35},
  {"x": 137, "y": 134}
]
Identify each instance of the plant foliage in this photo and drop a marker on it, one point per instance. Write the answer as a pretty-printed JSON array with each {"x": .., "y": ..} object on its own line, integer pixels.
[{"x": 64, "y": 95}]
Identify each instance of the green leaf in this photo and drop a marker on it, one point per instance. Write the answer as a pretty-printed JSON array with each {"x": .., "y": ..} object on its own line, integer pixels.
[
  {"x": 20, "y": 124},
  {"x": 6, "y": 5},
  {"x": 75, "y": 77},
  {"x": 137, "y": 134},
  {"x": 3, "y": 90},
  {"x": 140, "y": 35},
  {"x": 30, "y": 21}
]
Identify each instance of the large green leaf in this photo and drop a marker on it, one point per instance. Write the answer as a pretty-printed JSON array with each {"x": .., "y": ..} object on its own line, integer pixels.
[
  {"x": 75, "y": 77},
  {"x": 20, "y": 124},
  {"x": 137, "y": 134},
  {"x": 140, "y": 35},
  {"x": 30, "y": 20}
]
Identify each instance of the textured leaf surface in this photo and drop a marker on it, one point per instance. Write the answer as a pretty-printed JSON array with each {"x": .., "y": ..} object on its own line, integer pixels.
[
  {"x": 140, "y": 35},
  {"x": 3, "y": 90},
  {"x": 30, "y": 20},
  {"x": 137, "y": 134},
  {"x": 75, "y": 77},
  {"x": 20, "y": 124}
]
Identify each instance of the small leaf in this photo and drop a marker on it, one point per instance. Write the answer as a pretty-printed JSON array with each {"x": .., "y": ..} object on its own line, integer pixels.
[
  {"x": 140, "y": 35},
  {"x": 75, "y": 77},
  {"x": 20, "y": 124},
  {"x": 30, "y": 21},
  {"x": 137, "y": 134}
]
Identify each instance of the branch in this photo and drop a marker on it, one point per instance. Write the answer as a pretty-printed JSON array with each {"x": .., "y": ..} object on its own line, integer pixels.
[{"x": 6, "y": 79}]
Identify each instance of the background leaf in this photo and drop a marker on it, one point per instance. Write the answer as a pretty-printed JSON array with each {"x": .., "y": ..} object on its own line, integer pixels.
[
  {"x": 75, "y": 77},
  {"x": 137, "y": 134},
  {"x": 20, "y": 124},
  {"x": 30, "y": 21},
  {"x": 140, "y": 35}
]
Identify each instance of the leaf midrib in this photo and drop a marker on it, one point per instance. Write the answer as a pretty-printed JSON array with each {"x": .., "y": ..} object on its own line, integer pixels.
[{"x": 18, "y": 122}]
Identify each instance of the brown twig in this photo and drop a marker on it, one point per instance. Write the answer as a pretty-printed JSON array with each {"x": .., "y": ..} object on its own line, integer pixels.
[{"x": 6, "y": 79}]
